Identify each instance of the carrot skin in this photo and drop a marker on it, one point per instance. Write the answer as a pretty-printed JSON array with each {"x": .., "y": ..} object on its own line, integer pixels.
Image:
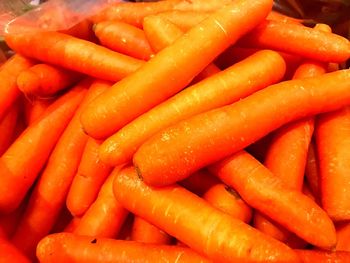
[
  {"x": 35, "y": 109},
  {"x": 319, "y": 256}
]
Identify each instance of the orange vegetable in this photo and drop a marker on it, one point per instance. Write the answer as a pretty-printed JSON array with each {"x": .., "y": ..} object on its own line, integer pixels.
[
  {"x": 8, "y": 126},
  {"x": 319, "y": 256},
  {"x": 33, "y": 110},
  {"x": 9, "y": 253}
]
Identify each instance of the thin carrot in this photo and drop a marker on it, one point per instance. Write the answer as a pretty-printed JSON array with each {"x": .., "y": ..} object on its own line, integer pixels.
[
  {"x": 343, "y": 237},
  {"x": 319, "y": 256},
  {"x": 70, "y": 248},
  {"x": 194, "y": 222},
  {"x": 44, "y": 81},
  {"x": 208, "y": 137},
  {"x": 74, "y": 54},
  {"x": 92, "y": 173},
  {"x": 146, "y": 88},
  {"x": 124, "y": 38},
  {"x": 199, "y": 182},
  {"x": 270, "y": 195},
  {"x": 8, "y": 75},
  {"x": 299, "y": 40},
  {"x": 9, "y": 253},
  {"x": 143, "y": 231},
  {"x": 50, "y": 192},
  {"x": 236, "y": 82},
  {"x": 228, "y": 200},
  {"x": 23, "y": 160},
  {"x": 33, "y": 110},
  {"x": 106, "y": 216},
  {"x": 312, "y": 174},
  {"x": 7, "y": 127}
]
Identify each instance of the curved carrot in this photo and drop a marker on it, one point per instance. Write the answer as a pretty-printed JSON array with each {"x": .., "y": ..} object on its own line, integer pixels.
[
  {"x": 92, "y": 173},
  {"x": 270, "y": 195},
  {"x": 319, "y": 256},
  {"x": 208, "y": 137},
  {"x": 35, "y": 109},
  {"x": 199, "y": 182},
  {"x": 44, "y": 81},
  {"x": 143, "y": 231},
  {"x": 124, "y": 38},
  {"x": 106, "y": 216},
  {"x": 70, "y": 248},
  {"x": 74, "y": 54},
  {"x": 228, "y": 200},
  {"x": 7, "y": 127},
  {"x": 8, "y": 75},
  {"x": 23, "y": 160},
  {"x": 9, "y": 253},
  {"x": 299, "y": 40},
  {"x": 236, "y": 82},
  {"x": 50, "y": 192},
  {"x": 343, "y": 237},
  {"x": 194, "y": 222},
  {"x": 143, "y": 90}
]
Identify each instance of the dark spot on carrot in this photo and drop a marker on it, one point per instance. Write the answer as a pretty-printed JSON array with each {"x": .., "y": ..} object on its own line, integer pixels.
[{"x": 94, "y": 241}]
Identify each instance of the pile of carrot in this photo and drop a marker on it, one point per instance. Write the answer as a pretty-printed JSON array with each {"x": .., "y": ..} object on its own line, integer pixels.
[{"x": 176, "y": 131}]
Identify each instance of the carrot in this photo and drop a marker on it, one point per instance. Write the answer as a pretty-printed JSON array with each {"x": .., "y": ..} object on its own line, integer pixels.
[
  {"x": 7, "y": 127},
  {"x": 9, "y": 253},
  {"x": 312, "y": 175},
  {"x": 332, "y": 131},
  {"x": 81, "y": 30},
  {"x": 208, "y": 137},
  {"x": 33, "y": 110},
  {"x": 299, "y": 40},
  {"x": 24, "y": 159},
  {"x": 50, "y": 192},
  {"x": 44, "y": 81},
  {"x": 124, "y": 38},
  {"x": 143, "y": 231},
  {"x": 105, "y": 216},
  {"x": 87, "y": 182},
  {"x": 319, "y": 256},
  {"x": 185, "y": 20},
  {"x": 199, "y": 182},
  {"x": 74, "y": 54},
  {"x": 194, "y": 222},
  {"x": 343, "y": 237},
  {"x": 236, "y": 82},
  {"x": 8, "y": 75},
  {"x": 143, "y": 90},
  {"x": 228, "y": 200},
  {"x": 70, "y": 248},
  {"x": 273, "y": 197}
]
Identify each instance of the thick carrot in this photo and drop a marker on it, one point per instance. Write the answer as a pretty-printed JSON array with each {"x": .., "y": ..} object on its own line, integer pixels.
[
  {"x": 343, "y": 237},
  {"x": 319, "y": 256},
  {"x": 44, "y": 81},
  {"x": 199, "y": 182},
  {"x": 143, "y": 231},
  {"x": 33, "y": 110},
  {"x": 92, "y": 173},
  {"x": 228, "y": 200},
  {"x": 150, "y": 85},
  {"x": 312, "y": 174},
  {"x": 9, "y": 253},
  {"x": 70, "y": 248},
  {"x": 50, "y": 192},
  {"x": 124, "y": 38},
  {"x": 8, "y": 126},
  {"x": 236, "y": 82},
  {"x": 8, "y": 75},
  {"x": 270, "y": 195},
  {"x": 106, "y": 216},
  {"x": 299, "y": 40},
  {"x": 208, "y": 137},
  {"x": 23, "y": 160},
  {"x": 74, "y": 54},
  {"x": 194, "y": 222},
  {"x": 332, "y": 140}
]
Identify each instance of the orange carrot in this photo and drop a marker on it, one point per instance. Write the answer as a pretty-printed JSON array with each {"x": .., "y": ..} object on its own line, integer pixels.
[
  {"x": 9, "y": 253},
  {"x": 208, "y": 137},
  {"x": 199, "y": 182},
  {"x": 7, "y": 127},
  {"x": 105, "y": 216},
  {"x": 44, "y": 81},
  {"x": 35, "y": 109},
  {"x": 270, "y": 195},
  {"x": 70, "y": 248},
  {"x": 185, "y": 20},
  {"x": 343, "y": 237},
  {"x": 299, "y": 40},
  {"x": 312, "y": 175},
  {"x": 87, "y": 182},
  {"x": 143, "y": 231},
  {"x": 74, "y": 54},
  {"x": 194, "y": 222},
  {"x": 236, "y": 82},
  {"x": 124, "y": 38},
  {"x": 8, "y": 75},
  {"x": 228, "y": 200},
  {"x": 146, "y": 88},
  {"x": 50, "y": 192},
  {"x": 319, "y": 256},
  {"x": 24, "y": 159}
]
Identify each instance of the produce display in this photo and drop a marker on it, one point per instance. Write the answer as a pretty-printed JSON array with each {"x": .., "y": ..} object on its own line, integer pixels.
[{"x": 176, "y": 131}]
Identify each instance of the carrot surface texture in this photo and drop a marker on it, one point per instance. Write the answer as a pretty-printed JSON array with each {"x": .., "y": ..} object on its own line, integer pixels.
[
  {"x": 70, "y": 248},
  {"x": 74, "y": 54},
  {"x": 208, "y": 137},
  {"x": 319, "y": 256},
  {"x": 150, "y": 85},
  {"x": 194, "y": 222}
]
